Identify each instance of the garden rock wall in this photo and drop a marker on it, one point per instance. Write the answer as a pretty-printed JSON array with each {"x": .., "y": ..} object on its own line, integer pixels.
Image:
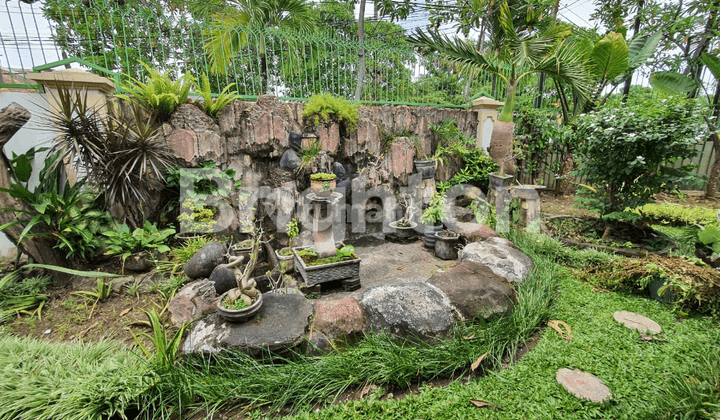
[{"x": 252, "y": 137}]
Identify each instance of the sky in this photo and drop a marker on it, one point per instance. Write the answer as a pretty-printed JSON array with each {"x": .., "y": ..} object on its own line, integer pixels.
[{"x": 26, "y": 39}]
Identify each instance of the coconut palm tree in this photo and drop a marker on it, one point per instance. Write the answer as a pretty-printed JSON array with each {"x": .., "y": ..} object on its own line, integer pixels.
[
  {"x": 237, "y": 21},
  {"x": 516, "y": 54}
]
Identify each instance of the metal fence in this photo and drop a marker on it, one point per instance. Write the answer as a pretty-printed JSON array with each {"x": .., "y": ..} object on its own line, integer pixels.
[{"x": 291, "y": 65}]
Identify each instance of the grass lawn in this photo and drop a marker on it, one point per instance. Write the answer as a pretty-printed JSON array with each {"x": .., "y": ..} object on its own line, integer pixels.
[{"x": 647, "y": 379}]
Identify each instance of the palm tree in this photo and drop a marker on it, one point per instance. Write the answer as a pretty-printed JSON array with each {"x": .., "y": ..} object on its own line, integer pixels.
[
  {"x": 516, "y": 54},
  {"x": 236, "y": 21}
]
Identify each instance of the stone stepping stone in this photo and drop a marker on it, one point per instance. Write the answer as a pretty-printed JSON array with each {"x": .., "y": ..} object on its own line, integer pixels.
[
  {"x": 637, "y": 322},
  {"x": 583, "y": 385}
]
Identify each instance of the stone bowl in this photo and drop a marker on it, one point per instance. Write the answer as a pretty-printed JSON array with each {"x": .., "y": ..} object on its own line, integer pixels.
[
  {"x": 238, "y": 315},
  {"x": 403, "y": 231}
]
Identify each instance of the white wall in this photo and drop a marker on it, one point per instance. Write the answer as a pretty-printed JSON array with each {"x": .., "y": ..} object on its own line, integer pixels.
[{"x": 35, "y": 133}]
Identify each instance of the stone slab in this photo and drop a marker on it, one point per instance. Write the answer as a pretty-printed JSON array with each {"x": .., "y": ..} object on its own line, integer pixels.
[
  {"x": 501, "y": 257},
  {"x": 637, "y": 322},
  {"x": 281, "y": 322},
  {"x": 583, "y": 385}
]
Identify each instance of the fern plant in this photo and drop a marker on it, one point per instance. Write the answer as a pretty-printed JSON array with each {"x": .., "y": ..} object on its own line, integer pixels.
[
  {"x": 160, "y": 93},
  {"x": 223, "y": 98}
]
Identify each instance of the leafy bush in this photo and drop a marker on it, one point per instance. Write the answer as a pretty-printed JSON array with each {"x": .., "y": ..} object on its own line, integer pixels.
[
  {"x": 538, "y": 137},
  {"x": 160, "y": 93},
  {"x": 435, "y": 211},
  {"x": 677, "y": 214},
  {"x": 74, "y": 217},
  {"x": 454, "y": 145},
  {"x": 325, "y": 108},
  {"x": 627, "y": 155},
  {"x": 148, "y": 238},
  {"x": 211, "y": 107}
]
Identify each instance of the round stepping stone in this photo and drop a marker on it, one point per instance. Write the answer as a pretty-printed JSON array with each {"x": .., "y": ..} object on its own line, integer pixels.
[
  {"x": 637, "y": 322},
  {"x": 583, "y": 385}
]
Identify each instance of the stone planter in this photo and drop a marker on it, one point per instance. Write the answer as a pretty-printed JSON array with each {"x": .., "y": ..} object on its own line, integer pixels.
[
  {"x": 446, "y": 247},
  {"x": 430, "y": 231},
  {"x": 403, "y": 231},
  {"x": 238, "y": 315},
  {"x": 322, "y": 187},
  {"x": 347, "y": 271},
  {"x": 286, "y": 261},
  {"x": 497, "y": 181},
  {"x": 426, "y": 168}
]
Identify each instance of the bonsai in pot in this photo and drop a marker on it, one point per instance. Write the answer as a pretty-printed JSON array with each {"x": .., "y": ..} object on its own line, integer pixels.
[
  {"x": 322, "y": 184},
  {"x": 285, "y": 255},
  {"x": 446, "y": 242},
  {"x": 405, "y": 226},
  {"x": 242, "y": 302},
  {"x": 433, "y": 216}
]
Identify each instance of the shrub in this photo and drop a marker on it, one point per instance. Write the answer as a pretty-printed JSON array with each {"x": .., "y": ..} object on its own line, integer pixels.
[
  {"x": 149, "y": 238},
  {"x": 538, "y": 137},
  {"x": 476, "y": 164},
  {"x": 627, "y": 155},
  {"x": 212, "y": 108},
  {"x": 160, "y": 93},
  {"x": 325, "y": 108},
  {"x": 677, "y": 214}
]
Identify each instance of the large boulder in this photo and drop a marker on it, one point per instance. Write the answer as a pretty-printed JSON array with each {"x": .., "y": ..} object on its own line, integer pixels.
[
  {"x": 501, "y": 257},
  {"x": 408, "y": 309},
  {"x": 193, "y": 300},
  {"x": 473, "y": 232},
  {"x": 340, "y": 317},
  {"x": 475, "y": 290},
  {"x": 281, "y": 322},
  {"x": 205, "y": 260}
]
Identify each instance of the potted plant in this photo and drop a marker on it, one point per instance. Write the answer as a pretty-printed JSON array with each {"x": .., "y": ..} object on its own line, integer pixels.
[
  {"x": 322, "y": 184},
  {"x": 424, "y": 165},
  {"x": 446, "y": 242},
  {"x": 433, "y": 216},
  {"x": 345, "y": 266},
  {"x": 405, "y": 227},
  {"x": 285, "y": 255},
  {"x": 242, "y": 302}
]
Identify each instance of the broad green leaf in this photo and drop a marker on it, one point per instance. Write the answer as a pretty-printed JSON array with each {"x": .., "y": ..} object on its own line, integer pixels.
[
  {"x": 669, "y": 82},
  {"x": 712, "y": 62},
  {"x": 641, "y": 48},
  {"x": 709, "y": 235},
  {"x": 23, "y": 168},
  {"x": 610, "y": 56}
]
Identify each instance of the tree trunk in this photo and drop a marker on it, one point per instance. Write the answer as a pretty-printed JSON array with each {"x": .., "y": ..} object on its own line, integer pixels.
[
  {"x": 563, "y": 185},
  {"x": 361, "y": 52},
  {"x": 39, "y": 248},
  {"x": 714, "y": 175},
  {"x": 263, "y": 74}
]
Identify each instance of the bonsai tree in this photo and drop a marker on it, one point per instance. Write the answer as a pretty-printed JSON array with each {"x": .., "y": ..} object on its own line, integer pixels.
[{"x": 406, "y": 201}]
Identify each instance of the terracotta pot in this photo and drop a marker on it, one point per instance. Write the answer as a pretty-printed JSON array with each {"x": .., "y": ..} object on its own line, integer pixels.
[{"x": 322, "y": 187}]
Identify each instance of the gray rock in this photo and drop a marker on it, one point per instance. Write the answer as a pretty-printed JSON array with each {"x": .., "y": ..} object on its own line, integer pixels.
[
  {"x": 583, "y": 385},
  {"x": 637, "y": 322},
  {"x": 461, "y": 214},
  {"x": 408, "y": 309},
  {"x": 339, "y": 171},
  {"x": 290, "y": 160},
  {"x": 223, "y": 278},
  {"x": 193, "y": 300},
  {"x": 475, "y": 290},
  {"x": 501, "y": 257},
  {"x": 140, "y": 261},
  {"x": 281, "y": 322},
  {"x": 117, "y": 284},
  {"x": 205, "y": 260}
]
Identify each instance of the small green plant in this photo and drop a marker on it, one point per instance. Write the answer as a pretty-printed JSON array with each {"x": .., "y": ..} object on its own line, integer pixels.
[
  {"x": 234, "y": 305},
  {"x": 308, "y": 152},
  {"x": 164, "y": 352},
  {"x": 292, "y": 231},
  {"x": 211, "y": 107},
  {"x": 325, "y": 108},
  {"x": 21, "y": 295},
  {"x": 102, "y": 291},
  {"x": 160, "y": 93},
  {"x": 322, "y": 176},
  {"x": 167, "y": 287},
  {"x": 179, "y": 256},
  {"x": 435, "y": 211},
  {"x": 148, "y": 238}
]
